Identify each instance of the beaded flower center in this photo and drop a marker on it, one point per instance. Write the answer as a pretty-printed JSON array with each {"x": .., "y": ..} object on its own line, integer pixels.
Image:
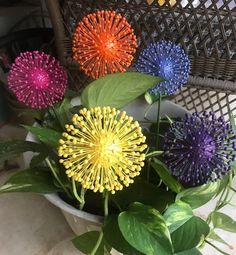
[
  {"x": 202, "y": 147},
  {"x": 103, "y": 149},
  {"x": 39, "y": 78},
  {"x": 107, "y": 45},
  {"x": 107, "y": 150},
  {"x": 166, "y": 68}
]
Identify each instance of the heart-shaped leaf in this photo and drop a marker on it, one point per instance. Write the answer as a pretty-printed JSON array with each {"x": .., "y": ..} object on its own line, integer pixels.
[
  {"x": 217, "y": 238},
  {"x": 117, "y": 90},
  {"x": 45, "y": 135},
  {"x": 145, "y": 229},
  {"x": 86, "y": 242},
  {"x": 199, "y": 196},
  {"x": 114, "y": 237},
  {"x": 166, "y": 177},
  {"x": 35, "y": 180},
  {"x": 186, "y": 229},
  {"x": 146, "y": 193},
  {"x": 223, "y": 221},
  {"x": 12, "y": 149}
]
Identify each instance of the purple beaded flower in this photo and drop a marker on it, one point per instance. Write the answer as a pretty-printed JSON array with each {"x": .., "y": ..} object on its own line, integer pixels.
[
  {"x": 199, "y": 149},
  {"x": 167, "y": 60},
  {"x": 37, "y": 79}
]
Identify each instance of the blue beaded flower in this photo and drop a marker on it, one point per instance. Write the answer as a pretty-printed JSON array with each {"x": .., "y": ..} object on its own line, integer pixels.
[
  {"x": 199, "y": 149},
  {"x": 168, "y": 60}
]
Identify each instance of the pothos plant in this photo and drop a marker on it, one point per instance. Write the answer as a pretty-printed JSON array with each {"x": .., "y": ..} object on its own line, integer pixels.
[{"x": 145, "y": 182}]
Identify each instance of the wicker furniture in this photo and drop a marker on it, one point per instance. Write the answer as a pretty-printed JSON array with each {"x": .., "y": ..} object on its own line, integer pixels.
[{"x": 206, "y": 29}]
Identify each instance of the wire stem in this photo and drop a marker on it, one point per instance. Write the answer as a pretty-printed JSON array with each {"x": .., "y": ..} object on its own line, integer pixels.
[
  {"x": 56, "y": 177},
  {"x": 106, "y": 204},
  {"x": 99, "y": 241},
  {"x": 158, "y": 118},
  {"x": 82, "y": 193},
  {"x": 75, "y": 191},
  {"x": 148, "y": 169}
]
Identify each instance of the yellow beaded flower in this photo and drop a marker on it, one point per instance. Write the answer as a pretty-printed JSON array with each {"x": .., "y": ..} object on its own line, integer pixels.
[{"x": 102, "y": 149}]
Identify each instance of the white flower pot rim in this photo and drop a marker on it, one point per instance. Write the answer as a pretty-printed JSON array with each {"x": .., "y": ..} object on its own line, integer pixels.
[{"x": 60, "y": 203}]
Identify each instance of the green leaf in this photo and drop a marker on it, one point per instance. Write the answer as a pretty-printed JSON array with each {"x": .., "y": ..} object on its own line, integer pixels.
[
  {"x": 153, "y": 154},
  {"x": 45, "y": 135},
  {"x": 37, "y": 159},
  {"x": 117, "y": 90},
  {"x": 86, "y": 242},
  {"x": 189, "y": 252},
  {"x": 214, "y": 236},
  {"x": 12, "y": 149},
  {"x": 71, "y": 93},
  {"x": 200, "y": 195},
  {"x": 181, "y": 222},
  {"x": 166, "y": 177},
  {"x": 177, "y": 214},
  {"x": 35, "y": 180},
  {"x": 223, "y": 183},
  {"x": 189, "y": 235},
  {"x": 64, "y": 110},
  {"x": 60, "y": 115},
  {"x": 114, "y": 237},
  {"x": 145, "y": 229},
  {"x": 233, "y": 165},
  {"x": 143, "y": 192},
  {"x": 35, "y": 114},
  {"x": 151, "y": 98},
  {"x": 223, "y": 221}
]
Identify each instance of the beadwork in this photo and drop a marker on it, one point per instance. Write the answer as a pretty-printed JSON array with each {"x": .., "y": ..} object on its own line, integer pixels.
[
  {"x": 102, "y": 149},
  {"x": 37, "y": 79},
  {"x": 103, "y": 43}
]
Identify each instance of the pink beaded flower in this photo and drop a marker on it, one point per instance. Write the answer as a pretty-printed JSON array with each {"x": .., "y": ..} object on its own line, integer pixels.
[{"x": 37, "y": 79}]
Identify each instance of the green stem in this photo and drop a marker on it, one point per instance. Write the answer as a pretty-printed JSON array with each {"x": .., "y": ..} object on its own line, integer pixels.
[
  {"x": 228, "y": 189},
  {"x": 106, "y": 205},
  {"x": 154, "y": 153},
  {"x": 146, "y": 113},
  {"x": 56, "y": 177},
  {"x": 54, "y": 112},
  {"x": 148, "y": 169},
  {"x": 225, "y": 199},
  {"x": 158, "y": 118},
  {"x": 82, "y": 193},
  {"x": 99, "y": 241},
  {"x": 75, "y": 191},
  {"x": 159, "y": 184},
  {"x": 234, "y": 190},
  {"x": 215, "y": 247},
  {"x": 220, "y": 200},
  {"x": 117, "y": 205}
]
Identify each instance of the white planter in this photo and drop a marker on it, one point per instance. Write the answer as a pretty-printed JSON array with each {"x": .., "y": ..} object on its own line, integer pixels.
[{"x": 80, "y": 221}]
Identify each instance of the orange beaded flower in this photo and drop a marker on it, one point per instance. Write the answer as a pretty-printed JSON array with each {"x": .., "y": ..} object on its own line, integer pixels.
[{"x": 103, "y": 43}]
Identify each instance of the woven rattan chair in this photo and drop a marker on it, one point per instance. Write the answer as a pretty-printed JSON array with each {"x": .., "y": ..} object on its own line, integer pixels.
[{"x": 206, "y": 29}]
